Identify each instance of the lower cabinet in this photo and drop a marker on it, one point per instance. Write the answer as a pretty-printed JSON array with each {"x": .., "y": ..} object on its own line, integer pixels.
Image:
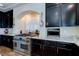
[
  {"x": 0, "y": 40},
  {"x": 50, "y": 51},
  {"x": 64, "y": 52},
  {"x": 39, "y": 49},
  {"x": 36, "y": 51},
  {"x": 53, "y": 48},
  {"x": 7, "y": 41}
]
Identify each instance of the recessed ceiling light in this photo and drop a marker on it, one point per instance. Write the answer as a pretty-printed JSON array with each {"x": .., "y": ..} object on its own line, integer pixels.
[{"x": 1, "y": 4}]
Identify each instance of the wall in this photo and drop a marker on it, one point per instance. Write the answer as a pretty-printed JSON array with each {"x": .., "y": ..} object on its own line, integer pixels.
[
  {"x": 65, "y": 31},
  {"x": 38, "y": 7},
  {"x": 31, "y": 6},
  {"x": 30, "y": 22}
]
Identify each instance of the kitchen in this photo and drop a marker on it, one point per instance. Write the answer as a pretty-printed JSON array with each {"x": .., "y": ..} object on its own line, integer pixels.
[{"x": 39, "y": 29}]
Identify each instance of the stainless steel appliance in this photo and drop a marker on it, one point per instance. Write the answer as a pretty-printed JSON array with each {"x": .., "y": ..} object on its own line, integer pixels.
[
  {"x": 22, "y": 45},
  {"x": 53, "y": 32}
]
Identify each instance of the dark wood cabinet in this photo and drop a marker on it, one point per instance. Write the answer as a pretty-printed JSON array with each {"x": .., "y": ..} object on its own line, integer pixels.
[
  {"x": 7, "y": 41},
  {"x": 69, "y": 14},
  {"x": 36, "y": 50},
  {"x": 1, "y": 17},
  {"x": 37, "y": 47},
  {"x": 9, "y": 18},
  {"x": 43, "y": 48},
  {"x": 50, "y": 48},
  {"x": 6, "y": 19},
  {"x": 77, "y": 15},
  {"x": 53, "y": 48},
  {"x": 50, "y": 51},
  {"x": 0, "y": 40},
  {"x": 64, "y": 52},
  {"x": 62, "y": 14},
  {"x": 53, "y": 15}
]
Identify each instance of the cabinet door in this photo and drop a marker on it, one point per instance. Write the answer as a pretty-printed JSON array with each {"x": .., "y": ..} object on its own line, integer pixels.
[
  {"x": 53, "y": 16},
  {"x": 0, "y": 40},
  {"x": 77, "y": 15},
  {"x": 50, "y": 51},
  {"x": 50, "y": 48},
  {"x": 0, "y": 19},
  {"x": 64, "y": 52},
  {"x": 8, "y": 41},
  {"x": 35, "y": 50},
  {"x": 3, "y": 40},
  {"x": 10, "y": 18},
  {"x": 10, "y": 38},
  {"x": 5, "y": 20},
  {"x": 68, "y": 14},
  {"x": 38, "y": 47}
]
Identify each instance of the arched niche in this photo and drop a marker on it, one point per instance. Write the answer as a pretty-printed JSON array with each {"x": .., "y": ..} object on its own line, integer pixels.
[{"x": 29, "y": 21}]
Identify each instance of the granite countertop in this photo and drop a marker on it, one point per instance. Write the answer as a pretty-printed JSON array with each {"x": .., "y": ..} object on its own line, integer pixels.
[
  {"x": 70, "y": 39},
  {"x": 8, "y": 34}
]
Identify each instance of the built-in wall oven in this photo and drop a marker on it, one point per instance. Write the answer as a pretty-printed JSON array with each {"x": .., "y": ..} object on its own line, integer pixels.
[
  {"x": 22, "y": 45},
  {"x": 53, "y": 32}
]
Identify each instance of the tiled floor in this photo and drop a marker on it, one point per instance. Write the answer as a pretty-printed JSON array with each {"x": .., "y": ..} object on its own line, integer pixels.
[{"x": 5, "y": 51}]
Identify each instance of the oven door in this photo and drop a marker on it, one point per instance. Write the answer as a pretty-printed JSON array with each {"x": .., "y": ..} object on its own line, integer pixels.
[
  {"x": 15, "y": 44},
  {"x": 24, "y": 47}
]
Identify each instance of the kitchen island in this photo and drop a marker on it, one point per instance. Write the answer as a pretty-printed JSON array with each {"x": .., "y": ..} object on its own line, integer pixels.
[{"x": 54, "y": 46}]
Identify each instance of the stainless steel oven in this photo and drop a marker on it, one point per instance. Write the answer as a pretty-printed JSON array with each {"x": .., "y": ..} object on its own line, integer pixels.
[
  {"x": 22, "y": 45},
  {"x": 15, "y": 44},
  {"x": 53, "y": 32}
]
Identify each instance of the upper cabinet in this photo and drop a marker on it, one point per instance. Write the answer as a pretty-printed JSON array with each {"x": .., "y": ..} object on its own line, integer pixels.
[
  {"x": 53, "y": 15},
  {"x": 9, "y": 18},
  {"x": 65, "y": 14},
  {"x": 1, "y": 13},
  {"x": 6, "y": 19},
  {"x": 68, "y": 14},
  {"x": 77, "y": 22}
]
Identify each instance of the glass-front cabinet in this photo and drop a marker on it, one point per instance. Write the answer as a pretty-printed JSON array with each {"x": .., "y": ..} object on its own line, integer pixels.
[
  {"x": 68, "y": 15},
  {"x": 77, "y": 15},
  {"x": 62, "y": 14},
  {"x": 53, "y": 16}
]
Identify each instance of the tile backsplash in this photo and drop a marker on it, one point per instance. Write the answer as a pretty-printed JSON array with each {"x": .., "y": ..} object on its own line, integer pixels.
[{"x": 3, "y": 29}]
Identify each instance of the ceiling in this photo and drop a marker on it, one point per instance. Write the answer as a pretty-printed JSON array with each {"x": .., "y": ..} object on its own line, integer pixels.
[{"x": 8, "y": 6}]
